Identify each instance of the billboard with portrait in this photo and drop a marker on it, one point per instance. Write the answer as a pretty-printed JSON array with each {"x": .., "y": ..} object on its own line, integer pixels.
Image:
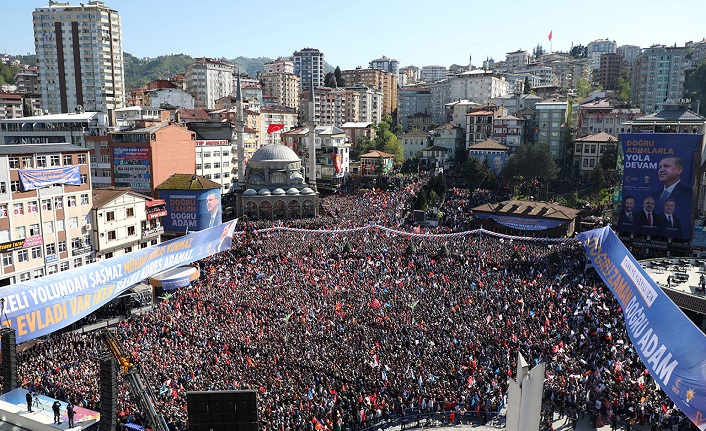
[
  {"x": 131, "y": 168},
  {"x": 496, "y": 162},
  {"x": 191, "y": 210},
  {"x": 658, "y": 180}
]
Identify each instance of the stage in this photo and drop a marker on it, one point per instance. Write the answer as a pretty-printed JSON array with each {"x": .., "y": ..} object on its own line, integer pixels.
[{"x": 13, "y": 410}]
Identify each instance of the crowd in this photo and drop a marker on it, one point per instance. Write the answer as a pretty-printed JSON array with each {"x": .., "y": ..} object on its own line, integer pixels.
[{"x": 338, "y": 330}]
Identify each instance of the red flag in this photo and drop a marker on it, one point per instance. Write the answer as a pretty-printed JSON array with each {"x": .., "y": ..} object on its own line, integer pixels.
[
  {"x": 550, "y": 35},
  {"x": 274, "y": 127}
]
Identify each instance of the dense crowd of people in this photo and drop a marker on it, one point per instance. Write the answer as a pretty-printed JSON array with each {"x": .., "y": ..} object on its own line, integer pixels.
[{"x": 339, "y": 330}]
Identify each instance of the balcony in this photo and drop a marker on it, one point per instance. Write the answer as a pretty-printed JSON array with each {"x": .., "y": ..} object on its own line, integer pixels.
[
  {"x": 81, "y": 250},
  {"x": 152, "y": 232}
]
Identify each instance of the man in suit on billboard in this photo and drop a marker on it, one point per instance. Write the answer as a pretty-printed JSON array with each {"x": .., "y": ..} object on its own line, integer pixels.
[
  {"x": 668, "y": 222},
  {"x": 673, "y": 187},
  {"x": 645, "y": 218},
  {"x": 626, "y": 219},
  {"x": 213, "y": 206}
]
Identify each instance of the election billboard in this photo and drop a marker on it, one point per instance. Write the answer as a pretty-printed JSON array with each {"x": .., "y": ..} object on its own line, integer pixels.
[
  {"x": 33, "y": 179},
  {"x": 657, "y": 183},
  {"x": 43, "y": 305},
  {"x": 496, "y": 162},
  {"x": 191, "y": 209},
  {"x": 670, "y": 346},
  {"x": 131, "y": 168}
]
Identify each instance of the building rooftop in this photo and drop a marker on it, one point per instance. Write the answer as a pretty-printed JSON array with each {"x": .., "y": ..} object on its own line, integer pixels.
[
  {"x": 671, "y": 115},
  {"x": 376, "y": 154},
  {"x": 57, "y": 118},
  {"x": 187, "y": 182},
  {"x": 529, "y": 209},
  {"x": 102, "y": 196},
  {"x": 356, "y": 125},
  {"x": 598, "y": 137},
  {"x": 489, "y": 144},
  {"x": 39, "y": 148}
]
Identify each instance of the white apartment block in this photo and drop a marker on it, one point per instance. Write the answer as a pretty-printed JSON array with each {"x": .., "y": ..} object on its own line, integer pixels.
[
  {"x": 478, "y": 86},
  {"x": 545, "y": 74},
  {"x": 124, "y": 221},
  {"x": 628, "y": 52},
  {"x": 387, "y": 64},
  {"x": 440, "y": 96},
  {"x": 281, "y": 87},
  {"x": 80, "y": 57},
  {"x": 47, "y": 229},
  {"x": 433, "y": 73},
  {"x": 517, "y": 60},
  {"x": 280, "y": 65},
  {"x": 598, "y": 47},
  {"x": 172, "y": 97},
  {"x": 209, "y": 80},
  {"x": 369, "y": 103},
  {"x": 309, "y": 67},
  {"x": 214, "y": 161}
]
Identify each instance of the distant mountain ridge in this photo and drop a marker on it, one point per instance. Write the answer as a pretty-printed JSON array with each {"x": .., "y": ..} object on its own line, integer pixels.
[{"x": 140, "y": 71}]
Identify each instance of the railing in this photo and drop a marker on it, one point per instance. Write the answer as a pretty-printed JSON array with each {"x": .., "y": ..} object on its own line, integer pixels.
[
  {"x": 415, "y": 419},
  {"x": 153, "y": 231}
]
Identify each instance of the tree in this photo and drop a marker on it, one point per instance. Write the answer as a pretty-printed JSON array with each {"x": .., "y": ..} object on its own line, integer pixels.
[
  {"x": 579, "y": 51},
  {"x": 526, "y": 87},
  {"x": 598, "y": 180},
  {"x": 387, "y": 141},
  {"x": 461, "y": 154},
  {"x": 340, "y": 82},
  {"x": 609, "y": 159},
  {"x": 583, "y": 87},
  {"x": 623, "y": 86},
  {"x": 362, "y": 145},
  {"x": 695, "y": 85},
  {"x": 474, "y": 172},
  {"x": 538, "y": 51},
  {"x": 532, "y": 161},
  {"x": 329, "y": 80},
  {"x": 437, "y": 183}
]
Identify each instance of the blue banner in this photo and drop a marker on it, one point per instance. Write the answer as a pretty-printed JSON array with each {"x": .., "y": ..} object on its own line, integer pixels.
[
  {"x": 521, "y": 223},
  {"x": 191, "y": 209},
  {"x": 670, "y": 345},
  {"x": 33, "y": 179},
  {"x": 41, "y": 306},
  {"x": 657, "y": 185}
]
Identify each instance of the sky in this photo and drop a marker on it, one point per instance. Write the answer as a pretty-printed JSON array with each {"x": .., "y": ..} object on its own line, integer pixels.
[{"x": 353, "y": 33}]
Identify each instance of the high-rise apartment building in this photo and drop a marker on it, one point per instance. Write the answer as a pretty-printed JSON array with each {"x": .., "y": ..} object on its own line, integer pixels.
[
  {"x": 379, "y": 80},
  {"x": 389, "y": 64},
  {"x": 309, "y": 67},
  {"x": 658, "y": 78},
  {"x": 281, "y": 88},
  {"x": 208, "y": 80},
  {"x": 280, "y": 65},
  {"x": 609, "y": 72},
  {"x": 629, "y": 53},
  {"x": 433, "y": 73},
  {"x": 80, "y": 57},
  {"x": 517, "y": 60},
  {"x": 598, "y": 47}
]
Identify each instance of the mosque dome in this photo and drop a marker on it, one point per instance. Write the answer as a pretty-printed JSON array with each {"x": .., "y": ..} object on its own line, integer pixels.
[{"x": 275, "y": 152}]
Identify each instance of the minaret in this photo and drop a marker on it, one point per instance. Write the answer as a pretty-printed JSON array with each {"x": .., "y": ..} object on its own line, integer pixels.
[
  {"x": 240, "y": 130},
  {"x": 312, "y": 137}
]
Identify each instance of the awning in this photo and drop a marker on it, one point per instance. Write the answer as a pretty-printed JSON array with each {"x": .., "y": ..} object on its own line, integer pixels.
[{"x": 154, "y": 203}]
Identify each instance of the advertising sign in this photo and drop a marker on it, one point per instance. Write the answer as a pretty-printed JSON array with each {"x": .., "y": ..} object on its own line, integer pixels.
[
  {"x": 657, "y": 185},
  {"x": 495, "y": 161},
  {"x": 43, "y": 305},
  {"x": 32, "y": 241},
  {"x": 131, "y": 168},
  {"x": 670, "y": 346},
  {"x": 191, "y": 209},
  {"x": 521, "y": 223},
  {"x": 33, "y": 179}
]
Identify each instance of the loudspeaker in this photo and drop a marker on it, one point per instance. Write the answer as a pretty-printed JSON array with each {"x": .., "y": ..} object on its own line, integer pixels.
[
  {"x": 9, "y": 359},
  {"x": 222, "y": 410},
  {"x": 109, "y": 393}
]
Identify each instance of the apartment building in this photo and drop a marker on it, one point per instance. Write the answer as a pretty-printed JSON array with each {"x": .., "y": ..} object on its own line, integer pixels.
[
  {"x": 80, "y": 57},
  {"x": 658, "y": 77},
  {"x": 208, "y": 80},
  {"x": 517, "y": 60},
  {"x": 551, "y": 118},
  {"x": 433, "y": 73},
  {"x": 387, "y": 64},
  {"x": 309, "y": 67},
  {"x": 281, "y": 88},
  {"x": 376, "y": 79},
  {"x": 610, "y": 69},
  {"x": 599, "y": 47},
  {"x": 412, "y": 99},
  {"x": 478, "y": 86},
  {"x": 44, "y": 223}
]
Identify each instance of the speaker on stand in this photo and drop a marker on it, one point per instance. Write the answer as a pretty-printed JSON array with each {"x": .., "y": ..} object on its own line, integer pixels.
[
  {"x": 109, "y": 392},
  {"x": 9, "y": 359}
]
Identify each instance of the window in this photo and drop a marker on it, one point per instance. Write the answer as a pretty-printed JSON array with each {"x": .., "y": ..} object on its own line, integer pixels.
[
  {"x": 22, "y": 255},
  {"x": 50, "y": 249},
  {"x": 128, "y": 249},
  {"x": 78, "y": 262},
  {"x": 36, "y": 252},
  {"x": 7, "y": 259},
  {"x": 111, "y": 235},
  {"x": 593, "y": 148},
  {"x": 25, "y": 276},
  {"x": 27, "y": 162},
  {"x": 110, "y": 216},
  {"x": 61, "y": 246},
  {"x": 104, "y": 145},
  {"x": 198, "y": 166},
  {"x": 5, "y": 235},
  {"x": 3, "y": 210},
  {"x": 109, "y": 255},
  {"x": 18, "y": 209},
  {"x": 217, "y": 165},
  {"x": 46, "y": 204},
  {"x": 75, "y": 243},
  {"x": 71, "y": 201},
  {"x": 59, "y": 203},
  {"x": 64, "y": 266},
  {"x": 60, "y": 225},
  {"x": 73, "y": 222},
  {"x": 81, "y": 159},
  {"x": 130, "y": 230},
  {"x": 130, "y": 212},
  {"x": 51, "y": 269},
  {"x": 207, "y": 154},
  {"x": 48, "y": 227},
  {"x": 34, "y": 229},
  {"x": 87, "y": 219},
  {"x": 39, "y": 272},
  {"x": 41, "y": 161},
  {"x": 585, "y": 163},
  {"x": 592, "y": 163},
  {"x": 226, "y": 164},
  {"x": 14, "y": 162},
  {"x": 207, "y": 166},
  {"x": 54, "y": 161},
  {"x": 105, "y": 158},
  {"x": 216, "y": 154},
  {"x": 32, "y": 207},
  {"x": 3, "y": 187},
  {"x": 15, "y": 186},
  {"x": 67, "y": 160},
  {"x": 84, "y": 179},
  {"x": 84, "y": 199}
]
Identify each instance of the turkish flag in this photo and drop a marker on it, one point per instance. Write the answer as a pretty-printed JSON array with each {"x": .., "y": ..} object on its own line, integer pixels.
[
  {"x": 550, "y": 35},
  {"x": 274, "y": 127}
]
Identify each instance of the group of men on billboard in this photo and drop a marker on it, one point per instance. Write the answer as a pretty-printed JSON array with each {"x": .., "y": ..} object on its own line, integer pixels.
[{"x": 657, "y": 192}]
